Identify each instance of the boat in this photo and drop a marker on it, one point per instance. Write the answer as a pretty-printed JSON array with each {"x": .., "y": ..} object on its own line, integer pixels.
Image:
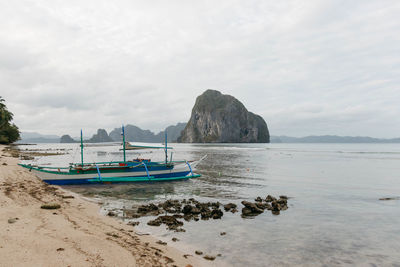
[{"x": 135, "y": 170}]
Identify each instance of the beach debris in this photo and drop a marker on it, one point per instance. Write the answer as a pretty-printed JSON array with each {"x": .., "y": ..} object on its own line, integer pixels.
[
  {"x": 5, "y": 164},
  {"x": 12, "y": 220},
  {"x": 50, "y": 206},
  {"x": 208, "y": 257},
  {"x": 198, "y": 252},
  {"x": 222, "y": 233},
  {"x": 187, "y": 255},
  {"x": 168, "y": 259},
  {"x": 60, "y": 249},
  {"x": 161, "y": 243},
  {"x": 174, "y": 239},
  {"x": 65, "y": 197}
]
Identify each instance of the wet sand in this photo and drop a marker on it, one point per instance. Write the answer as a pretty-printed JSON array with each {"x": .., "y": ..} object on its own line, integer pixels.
[{"x": 73, "y": 235}]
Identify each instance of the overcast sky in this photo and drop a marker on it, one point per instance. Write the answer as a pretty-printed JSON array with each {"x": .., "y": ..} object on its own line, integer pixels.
[{"x": 307, "y": 67}]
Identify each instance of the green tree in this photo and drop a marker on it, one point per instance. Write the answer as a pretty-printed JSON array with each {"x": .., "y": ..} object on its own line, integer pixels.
[{"x": 9, "y": 133}]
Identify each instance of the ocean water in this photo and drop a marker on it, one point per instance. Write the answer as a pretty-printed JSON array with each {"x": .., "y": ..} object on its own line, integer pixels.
[{"x": 335, "y": 217}]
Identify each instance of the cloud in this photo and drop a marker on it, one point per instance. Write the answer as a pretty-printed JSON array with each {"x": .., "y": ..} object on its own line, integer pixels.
[{"x": 308, "y": 67}]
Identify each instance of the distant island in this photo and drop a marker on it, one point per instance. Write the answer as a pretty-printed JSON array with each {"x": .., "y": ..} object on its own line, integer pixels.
[
  {"x": 331, "y": 139},
  {"x": 133, "y": 134}
]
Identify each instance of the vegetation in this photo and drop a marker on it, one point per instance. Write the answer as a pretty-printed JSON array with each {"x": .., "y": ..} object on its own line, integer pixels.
[{"x": 9, "y": 133}]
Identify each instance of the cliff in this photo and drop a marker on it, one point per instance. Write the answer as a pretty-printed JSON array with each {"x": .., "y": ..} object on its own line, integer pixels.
[
  {"x": 218, "y": 118},
  {"x": 67, "y": 139},
  {"x": 100, "y": 137}
]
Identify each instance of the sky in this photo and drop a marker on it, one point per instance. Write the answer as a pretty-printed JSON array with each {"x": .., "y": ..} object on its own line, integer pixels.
[{"x": 307, "y": 67}]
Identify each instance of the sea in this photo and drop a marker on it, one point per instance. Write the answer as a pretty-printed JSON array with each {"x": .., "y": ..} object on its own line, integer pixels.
[{"x": 335, "y": 215}]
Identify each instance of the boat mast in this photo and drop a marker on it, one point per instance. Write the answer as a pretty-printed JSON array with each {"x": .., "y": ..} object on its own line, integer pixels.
[
  {"x": 166, "y": 152},
  {"x": 123, "y": 142},
  {"x": 81, "y": 148}
]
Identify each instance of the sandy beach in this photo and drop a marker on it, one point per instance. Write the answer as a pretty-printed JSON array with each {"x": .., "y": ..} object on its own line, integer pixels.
[{"x": 73, "y": 235}]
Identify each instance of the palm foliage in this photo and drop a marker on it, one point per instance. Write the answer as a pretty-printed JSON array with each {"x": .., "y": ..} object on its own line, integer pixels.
[{"x": 9, "y": 133}]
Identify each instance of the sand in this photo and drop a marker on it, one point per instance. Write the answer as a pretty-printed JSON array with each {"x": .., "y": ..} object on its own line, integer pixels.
[{"x": 74, "y": 235}]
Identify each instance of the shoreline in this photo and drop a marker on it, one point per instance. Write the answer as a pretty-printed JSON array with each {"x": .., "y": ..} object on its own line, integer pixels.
[{"x": 75, "y": 234}]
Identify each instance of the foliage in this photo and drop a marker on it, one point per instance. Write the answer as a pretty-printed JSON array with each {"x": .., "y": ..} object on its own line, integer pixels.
[{"x": 9, "y": 133}]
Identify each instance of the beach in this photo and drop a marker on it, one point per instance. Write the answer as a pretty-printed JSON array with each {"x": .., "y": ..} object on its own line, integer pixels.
[{"x": 75, "y": 234}]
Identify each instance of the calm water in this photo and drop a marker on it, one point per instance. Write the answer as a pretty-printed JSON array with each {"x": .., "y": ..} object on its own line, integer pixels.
[{"x": 334, "y": 215}]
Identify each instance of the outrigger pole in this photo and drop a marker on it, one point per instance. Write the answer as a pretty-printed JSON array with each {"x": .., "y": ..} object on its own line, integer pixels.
[
  {"x": 123, "y": 142},
  {"x": 81, "y": 148},
  {"x": 166, "y": 152}
]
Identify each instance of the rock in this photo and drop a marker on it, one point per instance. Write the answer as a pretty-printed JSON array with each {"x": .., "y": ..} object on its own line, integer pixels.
[
  {"x": 145, "y": 209},
  {"x": 171, "y": 222},
  {"x": 283, "y": 197},
  {"x": 263, "y": 206},
  {"x": 252, "y": 206},
  {"x": 161, "y": 243},
  {"x": 216, "y": 214},
  {"x": 5, "y": 164},
  {"x": 12, "y": 220},
  {"x": 50, "y": 206},
  {"x": 222, "y": 233},
  {"x": 174, "y": 239},
  {"x": 198, "y": 252},
  {"x": 275, "y": 212},
  {"x": 111, "y": 214},
  {"x": 246, "y": 212},
  {"x": 100, "y": 137},
  {"x": 154, "y": 222},
  {"x": 258, "y": 199},
  {"x": 229, "y": 206},
  {"x": 269, "y": 198},
  {"x": 187, "y": 209},
  {"x": 389, "y": 198},
  {"x": 208, "y": 257},
  {"x": 133, "y": 223},
  {"x": 60, "y": 249},
  {"x": 67, "y": 139},
  {"x": 218, "y": 118},
  {"x": 132, "y": 214}
]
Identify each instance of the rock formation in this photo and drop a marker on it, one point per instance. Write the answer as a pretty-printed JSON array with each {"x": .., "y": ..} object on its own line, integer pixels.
[
  {"x": 218, "y": 118},
  {"x": 100, "y": 137},
  {"x": 67, "y": 139},
  {"x": 135, "y": 134}
]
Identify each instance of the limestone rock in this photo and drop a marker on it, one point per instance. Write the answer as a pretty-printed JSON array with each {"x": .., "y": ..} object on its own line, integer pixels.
[{"x": 218, "y": 118}]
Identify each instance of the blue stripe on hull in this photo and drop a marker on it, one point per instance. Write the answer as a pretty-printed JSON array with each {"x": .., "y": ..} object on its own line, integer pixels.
[{"x": 157, "y": 178}]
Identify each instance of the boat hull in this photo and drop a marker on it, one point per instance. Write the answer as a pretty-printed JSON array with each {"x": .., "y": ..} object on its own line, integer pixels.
[{"x": 157, "y": 174}]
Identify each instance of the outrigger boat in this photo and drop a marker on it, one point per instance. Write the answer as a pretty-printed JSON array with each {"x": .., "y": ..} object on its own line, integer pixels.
[{"x": 136, "y": 170}]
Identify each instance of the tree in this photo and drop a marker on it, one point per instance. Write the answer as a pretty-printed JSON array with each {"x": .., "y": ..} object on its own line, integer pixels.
[{"x": 9, "y": 133}]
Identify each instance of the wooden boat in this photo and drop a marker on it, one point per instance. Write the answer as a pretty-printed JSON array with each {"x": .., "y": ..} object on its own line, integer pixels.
[{"x": 136, "y": 170}]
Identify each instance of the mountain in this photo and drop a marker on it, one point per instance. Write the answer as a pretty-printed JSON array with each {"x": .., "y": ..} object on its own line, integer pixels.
[
  {"x": 100, "y": 137},
  {"x": 136, "y": 134},
  {"x": 219, "y": 118},
  {"x": 67, "y": 139},
  {"x": 331, "y": 139}
]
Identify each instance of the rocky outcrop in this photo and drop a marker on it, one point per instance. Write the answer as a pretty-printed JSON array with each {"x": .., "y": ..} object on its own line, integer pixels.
[
  {"x": 100, "y": 137},
  {"x": 135, "y": 134},
  {"x": 218, "y": 118},
  {"x": 67, "y": 139}
]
